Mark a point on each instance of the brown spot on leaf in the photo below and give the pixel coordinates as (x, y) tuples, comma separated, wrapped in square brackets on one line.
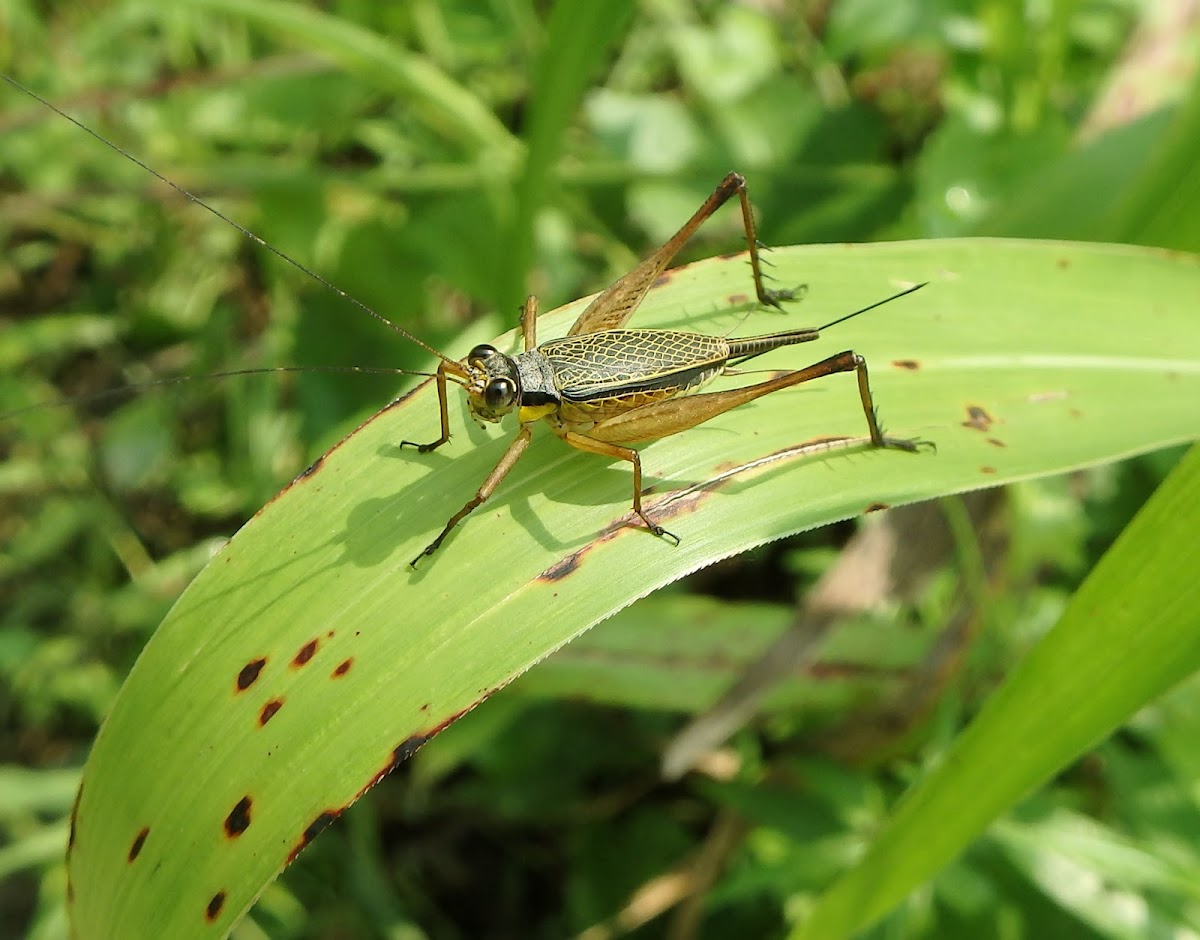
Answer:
[(238, 820), (977, 418), (996, 442), (911, 364), (664, 278), (736, 300), (561, 569), (406, 749), (400, 753), (73, 817), (1064, 263), (138, 841), (310, 470), (342, 668), (249, 674), (876, 507), (410, 745), (565, 566), (314, 829), (987, 469), (269, 710), (215, 903), (305, 653), (675, 507)]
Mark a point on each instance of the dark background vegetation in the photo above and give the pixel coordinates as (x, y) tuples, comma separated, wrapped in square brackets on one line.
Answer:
[(382, 145)]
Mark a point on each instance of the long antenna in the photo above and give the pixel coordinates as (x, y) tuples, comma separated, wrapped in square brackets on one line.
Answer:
[(179, 379), (878, 303), (224, 218)]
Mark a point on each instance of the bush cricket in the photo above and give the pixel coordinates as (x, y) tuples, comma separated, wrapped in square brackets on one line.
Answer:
[(603, 387)]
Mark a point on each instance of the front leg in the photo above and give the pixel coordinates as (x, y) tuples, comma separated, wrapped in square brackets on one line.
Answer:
[(499, 472), (444, 409)]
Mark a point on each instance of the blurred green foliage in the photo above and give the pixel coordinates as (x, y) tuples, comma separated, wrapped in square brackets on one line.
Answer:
[(436, 160)]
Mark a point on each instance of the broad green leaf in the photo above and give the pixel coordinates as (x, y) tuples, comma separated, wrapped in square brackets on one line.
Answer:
[(308, 658)]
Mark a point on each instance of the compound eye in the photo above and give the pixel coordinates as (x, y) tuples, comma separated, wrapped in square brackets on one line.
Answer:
[(499, 393), (481, 352)]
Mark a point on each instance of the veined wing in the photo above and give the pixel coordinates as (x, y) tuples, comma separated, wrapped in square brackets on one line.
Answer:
[(616, 362)]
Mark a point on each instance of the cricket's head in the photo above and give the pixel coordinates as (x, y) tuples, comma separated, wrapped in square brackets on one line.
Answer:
[(493, 386)]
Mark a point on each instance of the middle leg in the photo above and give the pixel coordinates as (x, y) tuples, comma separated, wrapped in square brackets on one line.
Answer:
[(605, 449)]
